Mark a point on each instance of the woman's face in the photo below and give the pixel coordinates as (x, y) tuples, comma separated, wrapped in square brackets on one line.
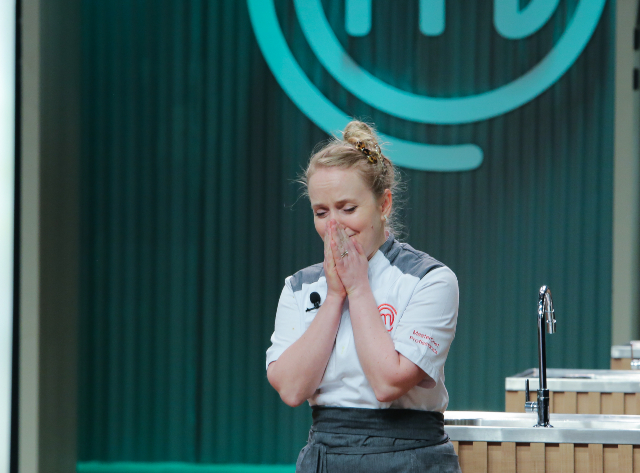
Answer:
[(341, 195)]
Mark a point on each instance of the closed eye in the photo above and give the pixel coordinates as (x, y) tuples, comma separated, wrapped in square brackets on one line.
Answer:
[(350, 209), (320, 213)]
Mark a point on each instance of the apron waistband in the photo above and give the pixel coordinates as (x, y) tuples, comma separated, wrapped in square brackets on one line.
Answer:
[(426, 426), (395, 423)]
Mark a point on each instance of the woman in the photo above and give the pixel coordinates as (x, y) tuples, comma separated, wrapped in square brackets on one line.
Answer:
[(364, 335)]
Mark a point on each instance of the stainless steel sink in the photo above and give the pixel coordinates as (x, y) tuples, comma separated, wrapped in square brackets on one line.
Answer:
[(611, 381), (519, 427)]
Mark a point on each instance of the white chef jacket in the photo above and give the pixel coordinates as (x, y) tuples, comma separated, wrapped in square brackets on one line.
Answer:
[(417, 298)]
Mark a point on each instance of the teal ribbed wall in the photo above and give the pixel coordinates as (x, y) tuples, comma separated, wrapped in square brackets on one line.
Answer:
[(191, 220)]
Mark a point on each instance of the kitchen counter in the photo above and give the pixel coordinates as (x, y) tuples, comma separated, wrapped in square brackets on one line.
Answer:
[(575, 391), (509, 442)]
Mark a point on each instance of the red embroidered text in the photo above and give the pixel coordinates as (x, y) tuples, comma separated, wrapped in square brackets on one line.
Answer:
[(425, 340)]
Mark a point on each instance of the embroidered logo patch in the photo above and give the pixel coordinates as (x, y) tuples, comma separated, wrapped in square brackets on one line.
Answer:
[(425, 340), (388, 314)]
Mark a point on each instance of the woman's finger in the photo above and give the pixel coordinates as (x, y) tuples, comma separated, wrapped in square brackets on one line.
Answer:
[(335, 237), (357, 245), (346, 241), (330, 259), (336, 252), (327, 241)]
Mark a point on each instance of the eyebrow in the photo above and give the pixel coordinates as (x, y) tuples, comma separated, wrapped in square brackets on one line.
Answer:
[(339, 203)]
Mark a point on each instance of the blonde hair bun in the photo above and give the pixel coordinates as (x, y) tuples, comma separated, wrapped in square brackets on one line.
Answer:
[(359, 131)]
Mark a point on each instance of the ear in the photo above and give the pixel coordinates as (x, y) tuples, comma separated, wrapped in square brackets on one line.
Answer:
[(386, 202)]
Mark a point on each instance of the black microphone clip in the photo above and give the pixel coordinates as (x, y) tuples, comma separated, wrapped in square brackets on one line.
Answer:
[(314, 297)]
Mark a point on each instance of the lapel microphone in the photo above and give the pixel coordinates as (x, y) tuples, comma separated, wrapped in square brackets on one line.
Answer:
[(314, 297)]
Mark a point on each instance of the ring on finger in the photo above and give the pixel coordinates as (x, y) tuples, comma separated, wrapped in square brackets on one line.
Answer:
[(346, 252)]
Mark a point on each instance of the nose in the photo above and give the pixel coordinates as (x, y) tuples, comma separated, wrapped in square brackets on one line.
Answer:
[(332, 219), (335, 217)]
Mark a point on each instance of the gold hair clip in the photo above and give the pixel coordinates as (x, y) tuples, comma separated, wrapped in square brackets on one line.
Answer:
[(372, 156)]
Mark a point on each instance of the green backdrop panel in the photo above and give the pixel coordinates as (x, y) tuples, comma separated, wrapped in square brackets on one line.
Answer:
[(191, 219)]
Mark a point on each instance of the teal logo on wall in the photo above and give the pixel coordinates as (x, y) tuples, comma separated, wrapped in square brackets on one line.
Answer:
[(510, 21)]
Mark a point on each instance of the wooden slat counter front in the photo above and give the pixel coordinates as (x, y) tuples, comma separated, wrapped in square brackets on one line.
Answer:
[(498, 457), (607, 445), (579, 391)]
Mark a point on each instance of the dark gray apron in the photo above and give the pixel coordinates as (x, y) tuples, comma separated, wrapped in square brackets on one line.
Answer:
[(354, 440)]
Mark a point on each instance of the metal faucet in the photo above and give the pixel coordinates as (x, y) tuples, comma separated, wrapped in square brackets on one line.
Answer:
[(545, 316)]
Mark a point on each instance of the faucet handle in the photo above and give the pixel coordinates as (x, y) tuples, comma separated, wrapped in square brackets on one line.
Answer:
[(529, 406)]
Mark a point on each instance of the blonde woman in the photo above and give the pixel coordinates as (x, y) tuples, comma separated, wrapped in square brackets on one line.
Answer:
[(364, 335)]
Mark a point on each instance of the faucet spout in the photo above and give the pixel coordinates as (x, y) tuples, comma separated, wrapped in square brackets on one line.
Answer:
[(545, 309), (546, 317)]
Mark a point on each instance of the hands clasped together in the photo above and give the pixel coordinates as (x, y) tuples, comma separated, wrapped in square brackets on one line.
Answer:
[(298, 372), (345, 262)]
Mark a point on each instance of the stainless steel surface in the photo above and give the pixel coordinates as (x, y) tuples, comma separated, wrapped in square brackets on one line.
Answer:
[(546, 316), (604, 381), (629, 350), (621, 351), (519, 427)]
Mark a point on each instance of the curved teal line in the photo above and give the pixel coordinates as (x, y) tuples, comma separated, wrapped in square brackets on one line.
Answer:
[(326, 115), (511, 22), (446, 111)]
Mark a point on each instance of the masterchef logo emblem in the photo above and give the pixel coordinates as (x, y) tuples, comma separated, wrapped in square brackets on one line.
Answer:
[(388, 314)]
